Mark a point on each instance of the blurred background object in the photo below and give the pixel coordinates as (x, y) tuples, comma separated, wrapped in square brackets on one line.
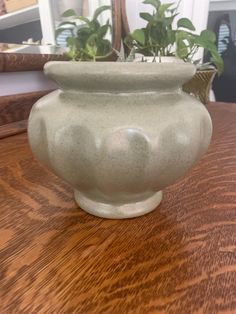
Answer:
[(14, 5), (222, 20), (2, 7)]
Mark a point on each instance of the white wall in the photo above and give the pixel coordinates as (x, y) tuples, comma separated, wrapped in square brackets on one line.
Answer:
[(222, 5), (196, 10)]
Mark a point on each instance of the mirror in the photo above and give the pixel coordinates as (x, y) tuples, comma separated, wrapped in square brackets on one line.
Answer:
[(222, 21), (29, 26), (84, 27), (85, 8)]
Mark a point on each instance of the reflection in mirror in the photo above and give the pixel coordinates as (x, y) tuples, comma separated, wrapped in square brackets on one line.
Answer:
[(31, 48), (222, 20), (84, 27), (30, 27), (82, 7), (19, 21)]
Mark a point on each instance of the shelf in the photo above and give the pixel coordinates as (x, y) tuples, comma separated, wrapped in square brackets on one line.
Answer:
[(222, 5), (19, 17)]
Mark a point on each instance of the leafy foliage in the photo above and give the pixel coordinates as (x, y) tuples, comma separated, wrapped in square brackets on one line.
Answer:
[(123, 58), (88, 41), (159, 38)]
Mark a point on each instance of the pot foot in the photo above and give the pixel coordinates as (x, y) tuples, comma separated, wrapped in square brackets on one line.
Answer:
[(123, 211)]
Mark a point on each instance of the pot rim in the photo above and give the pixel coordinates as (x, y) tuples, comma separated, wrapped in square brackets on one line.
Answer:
[(118, 66), (119, 76)]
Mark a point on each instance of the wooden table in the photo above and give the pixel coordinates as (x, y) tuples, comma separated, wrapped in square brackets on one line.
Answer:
[(181, 258)]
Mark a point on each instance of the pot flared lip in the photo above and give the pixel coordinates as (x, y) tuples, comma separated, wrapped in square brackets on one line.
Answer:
[(119, 67), (119, 76)]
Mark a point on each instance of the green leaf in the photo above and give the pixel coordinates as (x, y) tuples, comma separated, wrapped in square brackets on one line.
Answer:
[(185, 23), (72, 55), (182, 50), (155, 3), (183, 35), (139, 36), (94, 25), (164, 7), (208, 36), (146, 16), (84, 19), (100, 10), (71, 41), (128, 41), (102, 31), (87, 40), (171, 36), (206, 41), (84, 31), (218, 61), (69, 13), (92, 39), (182, 44), (168, 21), (104, 47), (91, 50), (203, 42)]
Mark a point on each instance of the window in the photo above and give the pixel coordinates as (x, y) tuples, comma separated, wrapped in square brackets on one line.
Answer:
[(224, 31)]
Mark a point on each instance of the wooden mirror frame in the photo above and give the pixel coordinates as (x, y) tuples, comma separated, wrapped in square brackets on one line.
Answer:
[(116, 30), (124, 19), (125, 29), (13, 62)]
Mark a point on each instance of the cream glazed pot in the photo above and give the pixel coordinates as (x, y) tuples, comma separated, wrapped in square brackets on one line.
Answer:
[(119, 133)]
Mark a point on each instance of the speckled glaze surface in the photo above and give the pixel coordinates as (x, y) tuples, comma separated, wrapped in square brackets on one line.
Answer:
[(119, 133)]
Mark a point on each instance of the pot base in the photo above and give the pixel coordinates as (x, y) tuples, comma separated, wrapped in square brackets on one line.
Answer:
[(110, 211)]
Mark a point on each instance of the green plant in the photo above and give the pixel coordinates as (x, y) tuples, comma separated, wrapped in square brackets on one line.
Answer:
[(123, 58), (87, 42), (159, 38)]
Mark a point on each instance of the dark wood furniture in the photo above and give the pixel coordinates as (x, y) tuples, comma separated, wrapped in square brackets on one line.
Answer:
[(15, 110), (15, 62), (181, 258)]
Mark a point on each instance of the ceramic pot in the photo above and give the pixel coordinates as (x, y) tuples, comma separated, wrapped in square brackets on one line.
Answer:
[(119, 133)]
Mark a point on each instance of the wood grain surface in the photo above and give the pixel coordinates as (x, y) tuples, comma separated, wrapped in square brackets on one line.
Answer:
[(17, 107), (181, 258), (14, 62), (13, 128)]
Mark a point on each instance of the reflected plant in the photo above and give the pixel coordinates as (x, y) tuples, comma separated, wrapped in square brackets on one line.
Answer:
[(159, 37), (88, 41)]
